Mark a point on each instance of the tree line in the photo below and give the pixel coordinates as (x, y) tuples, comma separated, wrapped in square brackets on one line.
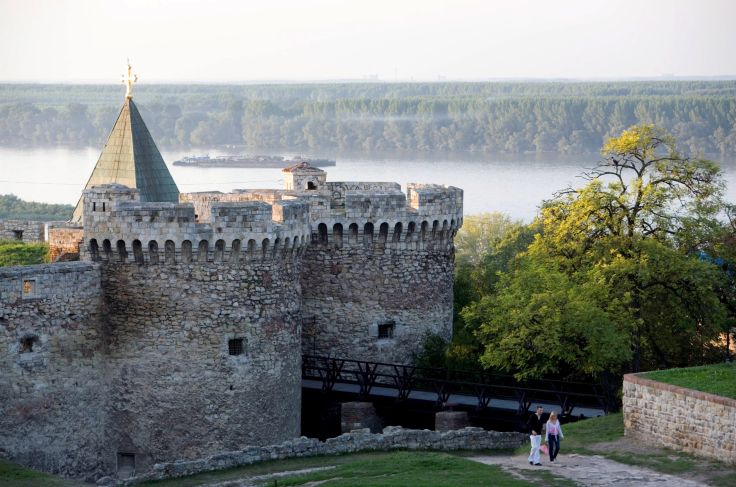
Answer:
[(633, 271), (14, 208), (568, 118)]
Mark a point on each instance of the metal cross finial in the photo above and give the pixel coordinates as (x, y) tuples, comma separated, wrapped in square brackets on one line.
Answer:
[(128, 81)]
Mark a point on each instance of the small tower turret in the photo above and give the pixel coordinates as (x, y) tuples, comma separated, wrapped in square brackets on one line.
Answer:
[(303, 177)]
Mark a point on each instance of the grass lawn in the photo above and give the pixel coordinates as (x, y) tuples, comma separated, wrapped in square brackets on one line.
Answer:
[(14, 475), (719, 379), (430, 469), (399, 468)]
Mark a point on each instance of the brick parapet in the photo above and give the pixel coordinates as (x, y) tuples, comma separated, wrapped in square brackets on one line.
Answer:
[(682, 419)]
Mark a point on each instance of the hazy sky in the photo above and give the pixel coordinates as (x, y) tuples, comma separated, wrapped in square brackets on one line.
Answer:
[(243, 40)]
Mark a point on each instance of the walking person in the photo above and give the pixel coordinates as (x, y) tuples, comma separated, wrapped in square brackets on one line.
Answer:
[(552, 435), (535, 425)]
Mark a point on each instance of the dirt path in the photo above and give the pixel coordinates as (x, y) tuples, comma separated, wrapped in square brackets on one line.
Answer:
[(590, 471)]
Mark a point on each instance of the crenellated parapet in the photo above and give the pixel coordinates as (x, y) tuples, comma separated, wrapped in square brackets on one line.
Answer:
[(426, 217), (225, 228)]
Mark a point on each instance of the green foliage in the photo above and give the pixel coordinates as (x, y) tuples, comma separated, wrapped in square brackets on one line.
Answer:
[(542, 322), (479, 234), (13, 208), (610, 277), (481, 117), (719, 379), (436, 352), (13, 252)]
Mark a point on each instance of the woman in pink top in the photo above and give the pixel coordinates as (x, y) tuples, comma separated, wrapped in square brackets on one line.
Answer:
[(552, 435)]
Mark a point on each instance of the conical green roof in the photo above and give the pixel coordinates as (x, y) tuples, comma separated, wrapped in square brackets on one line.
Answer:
[(130, 157)]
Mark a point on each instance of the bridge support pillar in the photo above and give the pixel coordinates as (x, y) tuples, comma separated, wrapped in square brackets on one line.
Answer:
[(450, 420), (359, 415)]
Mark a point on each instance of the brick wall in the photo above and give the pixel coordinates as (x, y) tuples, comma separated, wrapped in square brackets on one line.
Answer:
[(681, 419)]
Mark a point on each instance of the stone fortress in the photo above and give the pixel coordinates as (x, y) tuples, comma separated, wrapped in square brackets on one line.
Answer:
[(180, 331)]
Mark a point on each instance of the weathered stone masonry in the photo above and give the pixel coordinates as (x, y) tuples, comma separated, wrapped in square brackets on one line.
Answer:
[(21, 230), (182, 334), (681, 419), (53, 398)]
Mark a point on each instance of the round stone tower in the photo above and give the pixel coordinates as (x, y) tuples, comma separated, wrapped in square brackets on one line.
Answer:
[(204, 323)]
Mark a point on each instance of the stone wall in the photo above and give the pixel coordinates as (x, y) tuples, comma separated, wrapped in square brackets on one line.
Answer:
[(392, 438), (203, 357), (116, 222), (52, 364), (682, 419), (375, 299), (64, 239), (21, 230)]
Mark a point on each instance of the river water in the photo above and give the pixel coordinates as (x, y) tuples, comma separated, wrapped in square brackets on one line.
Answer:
[(512, 184)]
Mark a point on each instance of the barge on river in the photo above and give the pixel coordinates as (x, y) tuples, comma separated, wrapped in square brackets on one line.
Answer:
[(249, 161)]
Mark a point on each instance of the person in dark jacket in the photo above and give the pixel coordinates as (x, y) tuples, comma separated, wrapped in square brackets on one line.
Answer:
[(534, 426)]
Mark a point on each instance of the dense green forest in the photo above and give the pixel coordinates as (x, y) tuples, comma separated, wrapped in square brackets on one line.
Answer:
[(571, 117), (14, 208)]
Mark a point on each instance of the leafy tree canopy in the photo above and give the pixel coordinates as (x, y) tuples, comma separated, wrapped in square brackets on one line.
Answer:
[(613, 278)]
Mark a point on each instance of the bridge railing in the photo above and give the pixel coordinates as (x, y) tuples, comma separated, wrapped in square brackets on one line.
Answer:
[(485, 387)]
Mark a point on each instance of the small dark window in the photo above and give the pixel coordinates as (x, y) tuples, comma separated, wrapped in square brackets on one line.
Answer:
[(94, 206), (311, 186), (235, 346), (18, 234), (103, 206), (26, 344), (386, 330)]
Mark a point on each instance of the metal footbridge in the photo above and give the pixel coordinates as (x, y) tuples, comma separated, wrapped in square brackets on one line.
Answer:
[(481, 390)]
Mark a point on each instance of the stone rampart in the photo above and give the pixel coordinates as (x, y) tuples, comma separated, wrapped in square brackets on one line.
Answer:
[(22, 230), (392, 438), (682, 419), (378, 275), (52, 389), (202, 358)]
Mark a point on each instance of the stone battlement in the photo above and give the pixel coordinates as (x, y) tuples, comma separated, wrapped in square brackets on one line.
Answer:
[(116, 221), (270, 223)]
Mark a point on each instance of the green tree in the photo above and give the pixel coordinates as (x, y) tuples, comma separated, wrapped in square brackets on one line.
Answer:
[(613, 272)]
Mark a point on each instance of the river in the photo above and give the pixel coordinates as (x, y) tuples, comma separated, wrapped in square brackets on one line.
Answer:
[(512, 184)]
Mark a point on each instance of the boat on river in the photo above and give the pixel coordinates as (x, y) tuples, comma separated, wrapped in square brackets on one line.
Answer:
[(252, 161)]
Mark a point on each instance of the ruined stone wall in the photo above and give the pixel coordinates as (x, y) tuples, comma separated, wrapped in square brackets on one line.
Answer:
[(682, 419), (177, 389), (21, 230), (391, 439), (52, 363)]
